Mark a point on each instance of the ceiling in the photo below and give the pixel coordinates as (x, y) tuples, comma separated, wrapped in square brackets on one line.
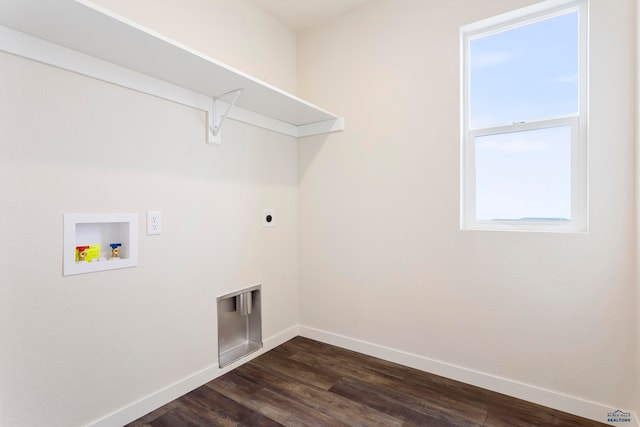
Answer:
[(302, 14)]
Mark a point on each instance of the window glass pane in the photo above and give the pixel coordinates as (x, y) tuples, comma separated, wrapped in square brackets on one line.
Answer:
[(526, 73), (524, 175)]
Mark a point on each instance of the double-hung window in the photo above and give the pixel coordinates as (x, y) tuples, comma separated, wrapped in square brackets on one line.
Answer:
[(524, 112)]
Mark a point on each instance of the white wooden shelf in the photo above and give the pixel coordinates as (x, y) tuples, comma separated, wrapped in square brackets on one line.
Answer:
[(84, 38)]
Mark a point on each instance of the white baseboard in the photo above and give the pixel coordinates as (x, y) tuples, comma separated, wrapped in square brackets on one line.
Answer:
[(161, 397), (548, 398)]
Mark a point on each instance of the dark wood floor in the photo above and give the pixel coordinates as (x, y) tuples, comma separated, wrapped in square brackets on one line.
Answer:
[(308, 383)]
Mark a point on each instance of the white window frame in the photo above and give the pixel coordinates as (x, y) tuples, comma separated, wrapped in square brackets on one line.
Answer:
[(577, 122)]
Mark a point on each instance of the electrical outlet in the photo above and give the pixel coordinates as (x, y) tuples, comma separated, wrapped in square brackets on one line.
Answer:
[(154, 222), (268, 218)]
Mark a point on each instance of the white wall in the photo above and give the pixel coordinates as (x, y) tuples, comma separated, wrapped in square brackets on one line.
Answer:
[(74, 349), (382, 259), (637, 333)]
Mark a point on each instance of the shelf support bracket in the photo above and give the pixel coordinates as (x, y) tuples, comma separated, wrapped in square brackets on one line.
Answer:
[(216, 117)]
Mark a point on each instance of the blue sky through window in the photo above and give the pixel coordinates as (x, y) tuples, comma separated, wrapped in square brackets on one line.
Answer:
[(524, 74), (533, 179)]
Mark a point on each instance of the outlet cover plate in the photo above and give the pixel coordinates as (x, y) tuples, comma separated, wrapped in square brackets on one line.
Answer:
[(154, 222)]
